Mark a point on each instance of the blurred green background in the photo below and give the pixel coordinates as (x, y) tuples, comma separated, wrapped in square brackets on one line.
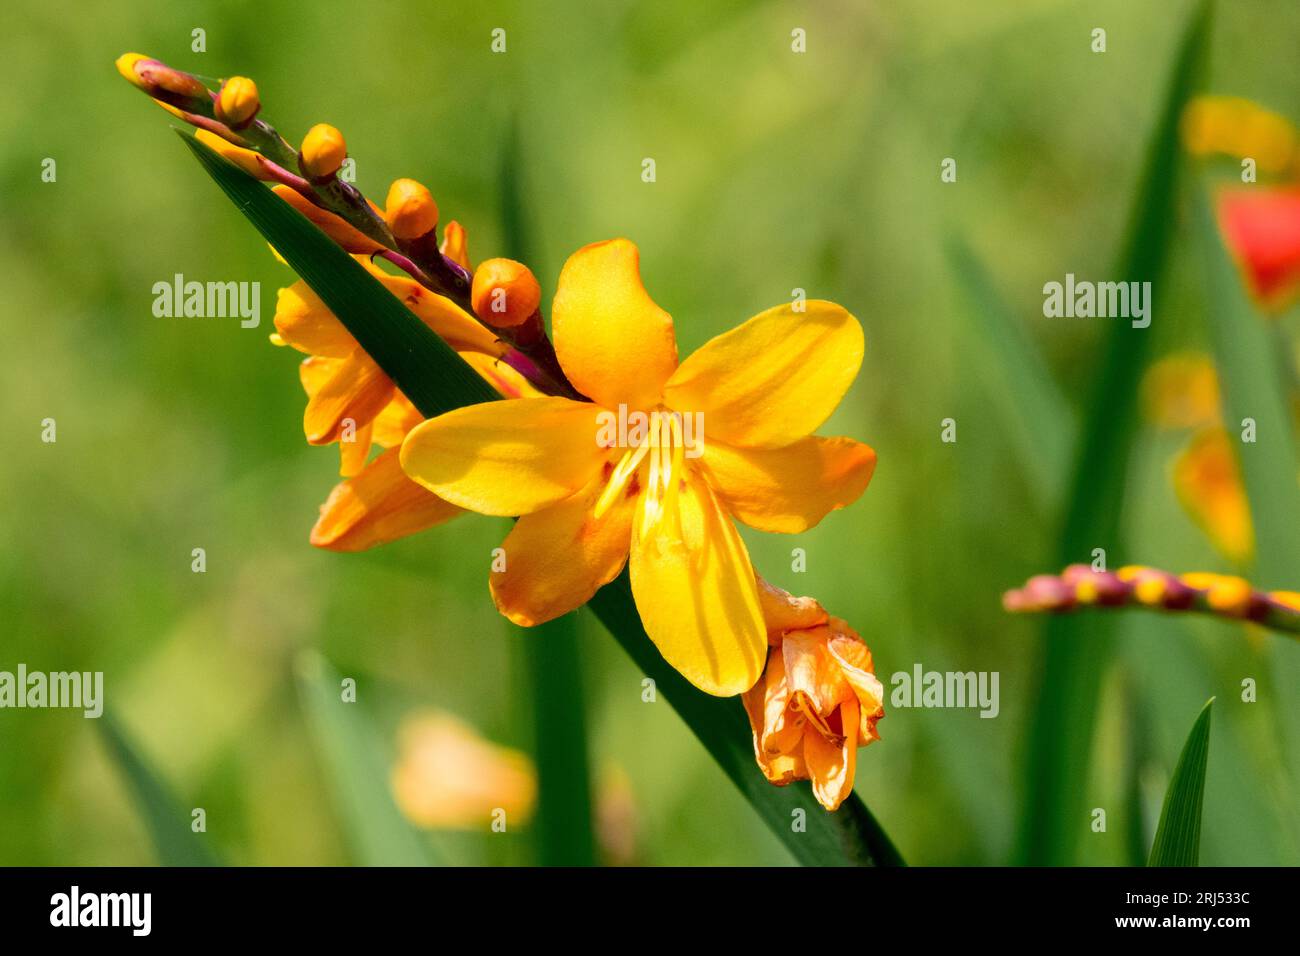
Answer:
[(774, 171)]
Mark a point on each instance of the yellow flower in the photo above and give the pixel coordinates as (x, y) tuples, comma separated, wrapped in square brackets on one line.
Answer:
[(1182, 391), (448, 777), (588, 498), (357, 389), (1208, 482), (818, 700), (1232, 126)]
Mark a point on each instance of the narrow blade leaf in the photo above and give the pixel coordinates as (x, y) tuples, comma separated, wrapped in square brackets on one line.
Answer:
[(169, 825), (1178, 836)]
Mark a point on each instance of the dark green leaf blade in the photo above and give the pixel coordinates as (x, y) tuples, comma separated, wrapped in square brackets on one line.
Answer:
[(429, 373), (353, 753), (1078, 647), (169, 826), (1178, 836)]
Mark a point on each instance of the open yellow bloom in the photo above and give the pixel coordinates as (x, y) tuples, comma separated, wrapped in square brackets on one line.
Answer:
[(819, 699), (587, 499)]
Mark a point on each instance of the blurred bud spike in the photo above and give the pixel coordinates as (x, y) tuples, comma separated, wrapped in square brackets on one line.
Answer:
[(410, 210), (323, 152), (1221, 595), (238, 103)]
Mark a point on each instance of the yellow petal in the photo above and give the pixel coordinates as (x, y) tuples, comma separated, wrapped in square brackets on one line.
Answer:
[(247, 160), (398, 417), (377, 506), (354, 452), (511, 457), (774, 379), (557, 558), (358, 389), (789, 489), (501, 376), (613, 342), (458, 328), (306, 323), (831, 763), (695, 591), (854, 659)]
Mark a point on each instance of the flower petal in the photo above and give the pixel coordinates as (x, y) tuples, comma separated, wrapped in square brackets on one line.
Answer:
[(306, 323), (789, 489), (347, 236), (557, 558), (774, 379), (377, 506), (695, 591), (1261, 226), (854, 658), (811, 670), (613, 342), (358, 390), (831, 763), (354, 451), (510, 457), (1208, 481), (458, 328), (782, 612)]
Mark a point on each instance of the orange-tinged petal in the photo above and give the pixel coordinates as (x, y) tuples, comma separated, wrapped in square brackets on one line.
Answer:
[(831, 763), (511, 457), (1208, 482), (811, 670), (247, 160), (398, 417), (773, 379), (347, 236), (789, 489), (314, 371), (305, 322), (354, 452), (377, 506), (1261, 227), (782, 611), (557, 558), (358, 390), (458, 328), (613, 342), (778, 736), (854, 659), (695, 591)]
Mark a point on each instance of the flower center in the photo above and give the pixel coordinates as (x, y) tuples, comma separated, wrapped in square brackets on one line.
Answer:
[(661, 452)]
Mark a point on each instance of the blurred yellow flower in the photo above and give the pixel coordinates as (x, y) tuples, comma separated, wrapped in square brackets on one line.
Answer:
[(1208, 483), (589, 497), (818, 700), (1233, 126), (1182, 391), (448, 777)]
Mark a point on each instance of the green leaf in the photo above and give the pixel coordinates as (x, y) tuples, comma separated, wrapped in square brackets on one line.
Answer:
[(1041, 423), (430, 374), (1178, 836), (1078, 646), (168, 824), (354, 754)]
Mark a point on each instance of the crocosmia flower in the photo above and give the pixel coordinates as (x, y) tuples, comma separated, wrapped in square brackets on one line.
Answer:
[(657, 464), (818, 700), (1261, 227)]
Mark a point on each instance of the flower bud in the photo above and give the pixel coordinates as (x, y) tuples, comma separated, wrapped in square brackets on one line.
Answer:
[(247, 160), (237, 103), (455, 245), (163, 83), (505, 293), (323, 152), (410, 209), (345, 234)]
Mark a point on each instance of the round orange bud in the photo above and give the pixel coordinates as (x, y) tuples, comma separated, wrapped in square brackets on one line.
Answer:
[(505, 293), (410, 210), (237, 103), (323, 151)]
